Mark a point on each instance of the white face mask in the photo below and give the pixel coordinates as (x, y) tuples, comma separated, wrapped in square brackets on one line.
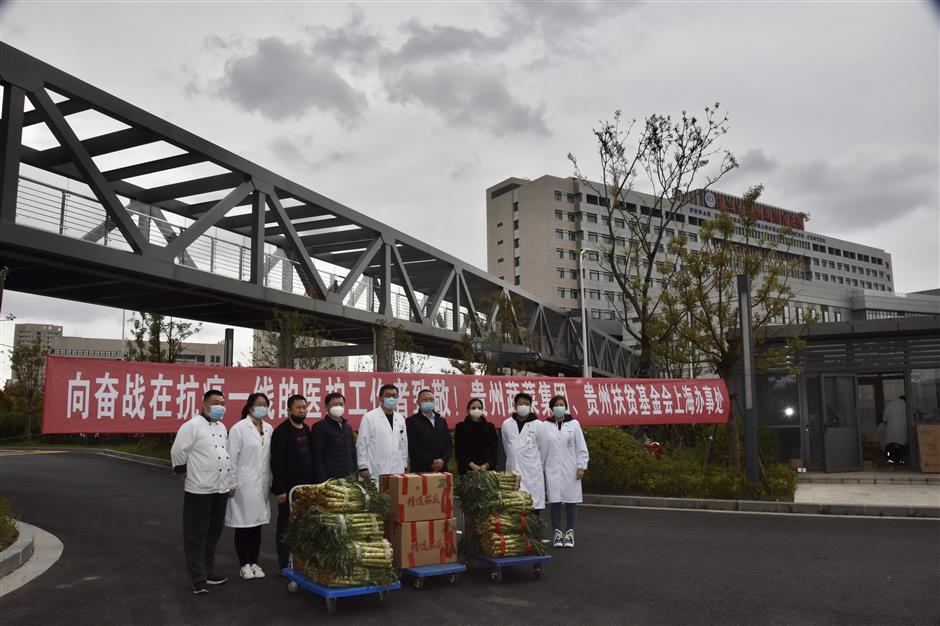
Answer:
[(476, 413), (337, 411), (523, 410)]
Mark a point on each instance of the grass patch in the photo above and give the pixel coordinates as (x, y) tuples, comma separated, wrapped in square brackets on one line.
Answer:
[(8, 531)]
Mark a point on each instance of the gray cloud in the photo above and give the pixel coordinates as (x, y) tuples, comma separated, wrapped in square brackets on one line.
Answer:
[(468, 96), (300, 154), (560, 25), (284, 81), (351, 43), (756, 162), (436, 42), (858, 192)]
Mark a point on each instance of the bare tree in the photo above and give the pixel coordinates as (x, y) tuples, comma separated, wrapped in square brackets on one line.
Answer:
[(671, 157), (158, 338)]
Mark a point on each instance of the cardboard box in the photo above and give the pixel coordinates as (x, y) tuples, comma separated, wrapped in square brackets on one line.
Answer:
[(418, 497), (928, 447), (428, 542)]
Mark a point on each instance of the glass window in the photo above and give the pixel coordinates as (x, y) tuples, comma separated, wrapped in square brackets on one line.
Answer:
[(573, 274), (778, 401), (558, 197), (570, 217), (591, 218), (925, 395), (559, 234), (561, 272), (620, 224), (561, 253), (559, 215), (572, 236), (572, 255), (561, 292)]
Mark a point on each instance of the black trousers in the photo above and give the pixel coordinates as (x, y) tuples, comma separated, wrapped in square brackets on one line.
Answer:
[(248, 545), (283, 518), (203, 521)]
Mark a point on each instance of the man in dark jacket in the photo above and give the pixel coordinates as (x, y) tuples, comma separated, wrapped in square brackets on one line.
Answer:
[(429, 446), (334, 450), (291, 465)]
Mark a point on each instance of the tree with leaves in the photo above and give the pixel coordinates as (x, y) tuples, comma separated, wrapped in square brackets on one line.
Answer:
[(158, 338), (507, 324), (702, 304), (294, 339), (671, 157), (28, 362), (397, 348)]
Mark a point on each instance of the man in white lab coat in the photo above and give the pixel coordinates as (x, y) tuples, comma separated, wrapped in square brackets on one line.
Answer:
[(895, 418), (199, 456), (525, 443), (382, 445)]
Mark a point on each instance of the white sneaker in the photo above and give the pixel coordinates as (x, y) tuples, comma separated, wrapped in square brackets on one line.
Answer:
[(257, 571), (558, 540), (569, 538), (246, 573)]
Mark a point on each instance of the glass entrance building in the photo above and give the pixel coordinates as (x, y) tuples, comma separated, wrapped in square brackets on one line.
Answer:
[(829, 416)]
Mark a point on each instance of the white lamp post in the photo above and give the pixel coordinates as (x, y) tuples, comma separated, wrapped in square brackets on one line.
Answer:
[(585, 368)]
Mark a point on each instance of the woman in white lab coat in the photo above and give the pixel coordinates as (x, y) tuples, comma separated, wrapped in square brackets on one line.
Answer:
[(525, 445), (249, 447), (565, 463)]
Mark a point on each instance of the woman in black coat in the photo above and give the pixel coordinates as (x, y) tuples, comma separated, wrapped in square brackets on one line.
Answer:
[(475, 440)]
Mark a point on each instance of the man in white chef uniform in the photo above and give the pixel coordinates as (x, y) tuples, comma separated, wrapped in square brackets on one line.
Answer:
[(382, 444), (200, 457), (526, 444)]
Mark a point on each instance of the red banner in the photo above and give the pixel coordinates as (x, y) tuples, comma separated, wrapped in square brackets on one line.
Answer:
[(100, 396)]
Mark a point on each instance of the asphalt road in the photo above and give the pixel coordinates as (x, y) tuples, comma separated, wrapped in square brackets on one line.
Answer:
[(123, 564)]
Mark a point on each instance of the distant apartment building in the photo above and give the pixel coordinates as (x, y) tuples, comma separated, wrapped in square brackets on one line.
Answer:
[(536, 228), (52, 339)]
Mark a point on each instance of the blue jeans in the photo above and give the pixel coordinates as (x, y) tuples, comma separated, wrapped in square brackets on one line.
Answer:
[(571, 514)]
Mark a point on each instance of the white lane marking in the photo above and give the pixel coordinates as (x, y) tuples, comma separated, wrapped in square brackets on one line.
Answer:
[(664, 508)]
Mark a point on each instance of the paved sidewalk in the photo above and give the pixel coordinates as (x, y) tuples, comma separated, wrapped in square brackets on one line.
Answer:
[(869, 494)]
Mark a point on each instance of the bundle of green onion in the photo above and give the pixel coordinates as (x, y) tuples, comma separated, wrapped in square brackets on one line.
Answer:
[(495, 515), (342, 495), (336, 533), (480, 491)]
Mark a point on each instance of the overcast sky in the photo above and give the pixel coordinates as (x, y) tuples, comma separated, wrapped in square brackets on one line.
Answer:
[(408, 111)]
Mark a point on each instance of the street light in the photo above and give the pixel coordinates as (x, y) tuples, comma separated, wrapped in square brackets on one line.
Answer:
[(585, 368)]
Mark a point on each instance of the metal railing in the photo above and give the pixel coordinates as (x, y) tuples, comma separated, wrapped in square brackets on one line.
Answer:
[(53, 209)]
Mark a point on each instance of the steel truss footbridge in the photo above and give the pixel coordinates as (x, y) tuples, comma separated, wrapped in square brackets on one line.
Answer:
[(147, 216)]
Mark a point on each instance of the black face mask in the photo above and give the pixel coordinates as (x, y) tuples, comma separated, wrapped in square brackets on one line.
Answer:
[(298, 420)]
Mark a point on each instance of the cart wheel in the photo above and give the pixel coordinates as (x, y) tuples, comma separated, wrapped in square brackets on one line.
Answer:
[(292, 587), (419, 583), (537, 570), (452, 578), (496, 575), (331, 605)]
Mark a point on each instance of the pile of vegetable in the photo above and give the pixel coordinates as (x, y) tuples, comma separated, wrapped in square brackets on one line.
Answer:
[(336, 534), (495, 513)]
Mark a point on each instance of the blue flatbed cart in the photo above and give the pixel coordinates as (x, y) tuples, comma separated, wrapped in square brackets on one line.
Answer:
[(426, 571), (497, 564), (331, 594)]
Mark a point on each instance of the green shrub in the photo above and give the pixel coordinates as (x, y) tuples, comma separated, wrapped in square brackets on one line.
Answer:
[(8, 531), (620, 464)]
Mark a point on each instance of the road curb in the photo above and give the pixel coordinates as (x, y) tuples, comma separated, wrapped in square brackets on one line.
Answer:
[(756, 506), (21, 550)]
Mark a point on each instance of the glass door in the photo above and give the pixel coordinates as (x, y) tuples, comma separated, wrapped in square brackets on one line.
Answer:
[(843, 449)]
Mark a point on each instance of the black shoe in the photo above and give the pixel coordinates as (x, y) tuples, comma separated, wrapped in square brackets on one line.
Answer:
[(216, 580), (200, 589)]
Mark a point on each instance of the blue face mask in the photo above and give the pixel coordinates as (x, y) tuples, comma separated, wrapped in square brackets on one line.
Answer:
[(427, 407), (260, 412), (559, 411), (217, 412), (389, 404)]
